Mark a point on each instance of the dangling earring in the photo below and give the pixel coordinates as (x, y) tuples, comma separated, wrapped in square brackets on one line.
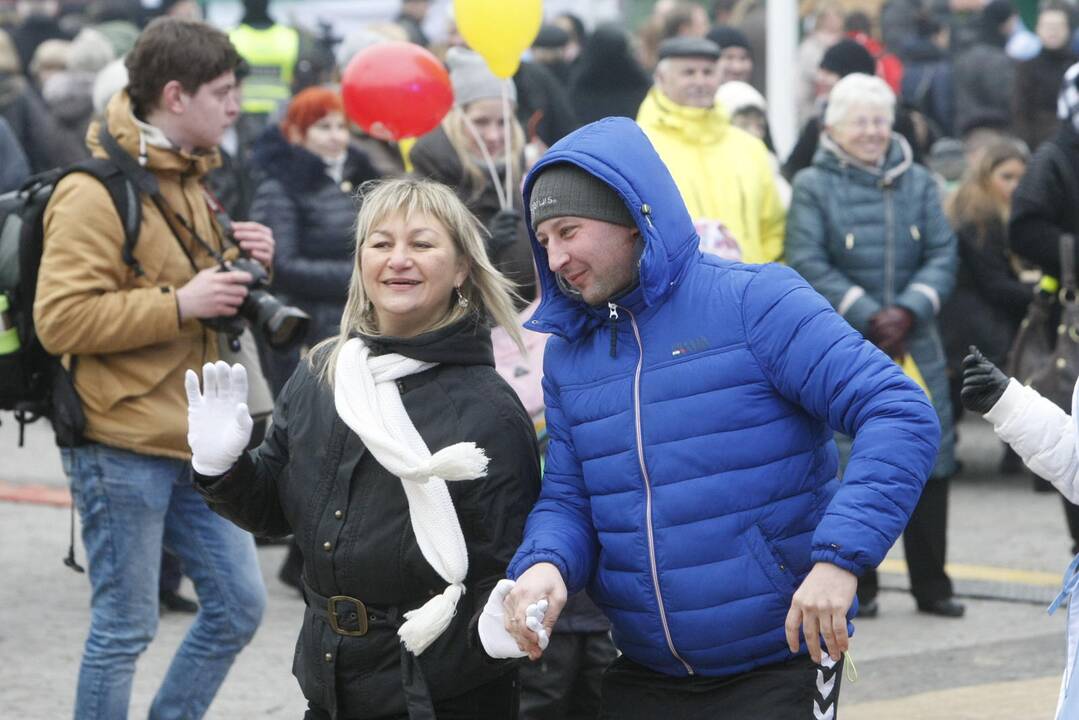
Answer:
[(462, 301)]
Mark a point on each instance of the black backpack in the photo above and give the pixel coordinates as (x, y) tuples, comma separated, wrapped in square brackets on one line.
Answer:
[(34, 383)]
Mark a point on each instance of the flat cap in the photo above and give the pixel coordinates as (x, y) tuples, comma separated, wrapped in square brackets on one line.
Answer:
[(688, 47), (550, 36)]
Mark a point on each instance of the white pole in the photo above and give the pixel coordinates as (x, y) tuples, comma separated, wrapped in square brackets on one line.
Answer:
[(782, 34)]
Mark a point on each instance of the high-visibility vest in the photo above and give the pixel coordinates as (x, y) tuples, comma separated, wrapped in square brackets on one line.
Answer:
[(271, 54)]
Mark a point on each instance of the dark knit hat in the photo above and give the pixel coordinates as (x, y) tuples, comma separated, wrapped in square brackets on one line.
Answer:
[(726, 36), (564, 189), (847, 57), (688, 47)]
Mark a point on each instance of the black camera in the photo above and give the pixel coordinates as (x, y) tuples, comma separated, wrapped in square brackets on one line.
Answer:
[(281, 324)]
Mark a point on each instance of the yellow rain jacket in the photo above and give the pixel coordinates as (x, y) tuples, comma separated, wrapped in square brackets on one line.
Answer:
[(723, 173)]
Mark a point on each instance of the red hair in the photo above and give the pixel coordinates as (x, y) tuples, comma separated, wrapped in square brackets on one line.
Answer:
[(308, 107)]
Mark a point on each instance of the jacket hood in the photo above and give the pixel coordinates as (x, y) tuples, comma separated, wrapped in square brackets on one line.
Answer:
[(133, 138), (897, 161), (616, 151), (465, 342), (699, 126), (295, 167)]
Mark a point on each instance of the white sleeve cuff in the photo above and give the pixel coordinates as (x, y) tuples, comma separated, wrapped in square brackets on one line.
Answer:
[(1015, 396)]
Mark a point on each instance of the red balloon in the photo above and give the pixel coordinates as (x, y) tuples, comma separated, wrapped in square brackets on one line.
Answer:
[(396, 90)]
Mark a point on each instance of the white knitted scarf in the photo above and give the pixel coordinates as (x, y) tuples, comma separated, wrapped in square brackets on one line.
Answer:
[(369, 402)]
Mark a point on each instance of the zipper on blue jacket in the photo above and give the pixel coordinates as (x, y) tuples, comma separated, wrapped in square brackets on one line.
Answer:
[(648, 489), (612, 323), (646, 211)]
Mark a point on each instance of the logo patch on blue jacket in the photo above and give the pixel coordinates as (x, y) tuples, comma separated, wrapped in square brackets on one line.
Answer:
[(697, 344)]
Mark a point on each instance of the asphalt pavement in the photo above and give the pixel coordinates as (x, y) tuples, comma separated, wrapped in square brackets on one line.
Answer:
[(1007, 548)]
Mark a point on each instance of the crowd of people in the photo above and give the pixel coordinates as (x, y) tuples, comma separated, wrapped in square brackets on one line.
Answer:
[(919, 213)]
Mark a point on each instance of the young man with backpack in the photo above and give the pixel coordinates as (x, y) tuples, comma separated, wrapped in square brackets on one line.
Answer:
[(132, 327)]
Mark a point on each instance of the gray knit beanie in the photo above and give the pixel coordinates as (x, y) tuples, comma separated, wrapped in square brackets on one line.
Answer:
[(472, 80), (565, 189)]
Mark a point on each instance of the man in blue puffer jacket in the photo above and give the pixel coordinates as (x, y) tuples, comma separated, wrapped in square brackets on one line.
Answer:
[(690, 482)]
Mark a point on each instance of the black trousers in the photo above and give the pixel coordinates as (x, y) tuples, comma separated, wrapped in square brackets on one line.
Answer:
[(565, 683), (924, 542), (496, 700), (797, 689)]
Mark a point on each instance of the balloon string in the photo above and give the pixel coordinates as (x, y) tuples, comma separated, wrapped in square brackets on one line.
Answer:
[(487, 159), (507, 140)]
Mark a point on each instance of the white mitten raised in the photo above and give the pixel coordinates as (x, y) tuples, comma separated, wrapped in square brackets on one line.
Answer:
[(218, 422)]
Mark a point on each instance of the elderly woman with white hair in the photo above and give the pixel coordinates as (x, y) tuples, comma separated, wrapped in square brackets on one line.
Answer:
[(866, 229)]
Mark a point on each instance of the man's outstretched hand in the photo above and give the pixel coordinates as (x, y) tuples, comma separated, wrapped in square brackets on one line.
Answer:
[(983, 382), (819, 609)]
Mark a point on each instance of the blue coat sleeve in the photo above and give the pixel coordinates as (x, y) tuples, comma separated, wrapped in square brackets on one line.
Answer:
[(559, 528), (817, 362)]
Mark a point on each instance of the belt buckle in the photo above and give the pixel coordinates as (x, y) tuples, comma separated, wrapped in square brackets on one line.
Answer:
[(361, 615)]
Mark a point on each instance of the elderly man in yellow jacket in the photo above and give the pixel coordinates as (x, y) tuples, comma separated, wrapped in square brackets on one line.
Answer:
[(723, 172)]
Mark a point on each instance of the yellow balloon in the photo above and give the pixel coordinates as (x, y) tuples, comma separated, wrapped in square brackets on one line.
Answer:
[(499, 30)]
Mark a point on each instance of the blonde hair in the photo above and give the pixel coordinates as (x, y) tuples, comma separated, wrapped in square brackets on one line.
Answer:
[(476, 175), (490, 295), (974, 203)]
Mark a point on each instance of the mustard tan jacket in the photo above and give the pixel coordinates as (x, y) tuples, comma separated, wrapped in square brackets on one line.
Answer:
[(125, 329), (722, 172)]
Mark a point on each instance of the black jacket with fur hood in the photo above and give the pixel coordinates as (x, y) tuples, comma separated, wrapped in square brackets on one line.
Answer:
[(313, 220)]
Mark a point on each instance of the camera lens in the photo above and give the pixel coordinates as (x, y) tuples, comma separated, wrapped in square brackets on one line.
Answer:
[(280, 324)]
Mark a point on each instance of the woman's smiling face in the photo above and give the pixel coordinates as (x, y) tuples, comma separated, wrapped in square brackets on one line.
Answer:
[(410, 267)]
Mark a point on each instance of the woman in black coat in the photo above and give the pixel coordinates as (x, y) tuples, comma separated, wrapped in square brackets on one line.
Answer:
[(309, 177), (340, 470), (989, 300)]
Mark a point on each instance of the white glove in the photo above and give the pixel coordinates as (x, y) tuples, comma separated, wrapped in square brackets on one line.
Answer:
[(534, 615), (218, 423), (496, 641)]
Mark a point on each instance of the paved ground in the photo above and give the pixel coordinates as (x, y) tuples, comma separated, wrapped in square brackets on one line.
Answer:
[(1008, 547)]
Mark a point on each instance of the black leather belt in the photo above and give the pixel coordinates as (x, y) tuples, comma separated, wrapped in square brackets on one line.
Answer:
[(346, 615)]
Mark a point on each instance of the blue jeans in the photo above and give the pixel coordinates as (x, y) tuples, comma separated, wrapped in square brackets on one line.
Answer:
[(131, 504)]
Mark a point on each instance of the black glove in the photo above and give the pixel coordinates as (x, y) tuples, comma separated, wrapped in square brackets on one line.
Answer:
[(503, 228), (983, 382)]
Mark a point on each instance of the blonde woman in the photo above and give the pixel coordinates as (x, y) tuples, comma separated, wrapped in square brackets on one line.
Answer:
[(469, 152), (404, 465)]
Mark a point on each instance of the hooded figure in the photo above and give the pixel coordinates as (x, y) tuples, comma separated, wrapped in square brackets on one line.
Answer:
[(607, 80), (692, 528)]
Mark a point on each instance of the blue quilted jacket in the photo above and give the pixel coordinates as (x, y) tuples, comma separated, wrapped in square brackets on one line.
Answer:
[(690, 478)]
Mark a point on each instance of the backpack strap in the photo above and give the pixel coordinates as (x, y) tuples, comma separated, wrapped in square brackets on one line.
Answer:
[(125, 198)]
